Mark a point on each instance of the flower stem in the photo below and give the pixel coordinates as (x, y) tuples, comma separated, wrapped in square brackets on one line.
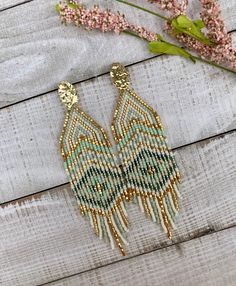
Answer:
[(134, 35), (214, 64), (143, 9), (192, 56)]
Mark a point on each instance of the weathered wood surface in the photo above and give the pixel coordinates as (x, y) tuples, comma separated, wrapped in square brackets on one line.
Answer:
[(206, 261), (45, 238), (192, 102), (37, 52)]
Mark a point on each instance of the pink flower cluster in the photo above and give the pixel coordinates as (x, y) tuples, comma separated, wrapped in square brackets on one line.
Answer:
[(222, 51), (173, 6), (220, 54), (211, 16), (103, 20)]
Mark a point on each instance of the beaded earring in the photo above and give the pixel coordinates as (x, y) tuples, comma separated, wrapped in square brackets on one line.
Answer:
[(147, 174), (95, 178), (149, 167)]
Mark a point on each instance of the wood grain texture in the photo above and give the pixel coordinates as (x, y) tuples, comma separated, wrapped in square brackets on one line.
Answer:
[(37, 51), (45, 238), (191, 100), (206, 261)]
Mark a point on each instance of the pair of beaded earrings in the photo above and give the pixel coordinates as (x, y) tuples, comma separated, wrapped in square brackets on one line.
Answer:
[(144, 171)]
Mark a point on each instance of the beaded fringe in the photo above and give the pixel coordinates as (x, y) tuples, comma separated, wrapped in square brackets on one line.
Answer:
[(111, 226)]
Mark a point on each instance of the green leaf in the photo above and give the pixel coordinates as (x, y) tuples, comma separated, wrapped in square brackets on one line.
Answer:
[(160, 38), (199, 24), (72, 5), (58, 9), (183, 24), (168, 49)]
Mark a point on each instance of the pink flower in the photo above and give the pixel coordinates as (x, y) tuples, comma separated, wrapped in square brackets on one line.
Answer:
[(222, 52), (173, 6), (211, 16), (103, 20)]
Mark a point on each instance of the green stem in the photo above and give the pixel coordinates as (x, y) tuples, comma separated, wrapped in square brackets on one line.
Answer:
[(194, 57), (134, 35), (143, 9), (214, 64)]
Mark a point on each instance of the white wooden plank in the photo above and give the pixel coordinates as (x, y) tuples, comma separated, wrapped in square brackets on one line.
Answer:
[(44, 238), (193, 101), (206, 261), (37, 51)]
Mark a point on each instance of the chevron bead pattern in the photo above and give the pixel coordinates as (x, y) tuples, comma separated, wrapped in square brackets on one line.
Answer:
[(95, 179), (149, 166)]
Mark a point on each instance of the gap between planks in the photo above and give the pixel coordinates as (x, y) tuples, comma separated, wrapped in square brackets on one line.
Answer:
[(203, 234), (38, 194), (89, 78), (193, 106), (79, 82), (15, 5), (41, 58), (206, 209)]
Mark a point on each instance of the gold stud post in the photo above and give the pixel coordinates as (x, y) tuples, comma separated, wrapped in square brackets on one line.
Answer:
[(120, 76), (67, 94)]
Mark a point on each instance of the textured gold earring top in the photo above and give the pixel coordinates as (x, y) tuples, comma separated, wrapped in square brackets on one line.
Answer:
[(120, 76), (67, 94)]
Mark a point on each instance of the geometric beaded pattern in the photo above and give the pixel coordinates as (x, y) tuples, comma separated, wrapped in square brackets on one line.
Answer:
[(149, 166), (147, 174), (96, 180)]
